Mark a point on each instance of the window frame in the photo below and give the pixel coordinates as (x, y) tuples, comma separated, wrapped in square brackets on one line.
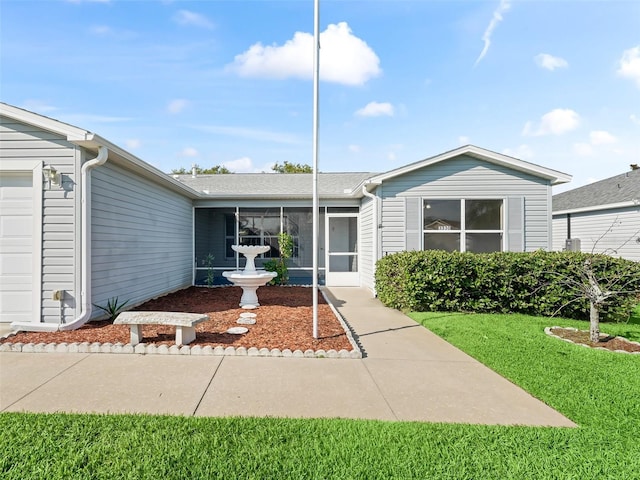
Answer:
[(462, 232)]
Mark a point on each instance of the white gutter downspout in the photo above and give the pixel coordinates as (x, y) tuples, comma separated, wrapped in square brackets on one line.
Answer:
[(85, 288), (374, 240)]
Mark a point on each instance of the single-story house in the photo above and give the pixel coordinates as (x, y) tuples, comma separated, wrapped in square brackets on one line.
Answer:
[(602, 217), (84, 221)]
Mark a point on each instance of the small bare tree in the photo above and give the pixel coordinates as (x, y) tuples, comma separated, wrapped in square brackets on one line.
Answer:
[(598, 281)]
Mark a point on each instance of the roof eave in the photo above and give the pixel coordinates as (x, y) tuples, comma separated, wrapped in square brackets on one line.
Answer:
[(93, 141), (594, 208), (269, 196), (555, 177)]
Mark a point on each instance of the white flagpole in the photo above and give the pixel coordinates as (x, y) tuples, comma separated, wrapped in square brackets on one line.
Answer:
[(316, 82)]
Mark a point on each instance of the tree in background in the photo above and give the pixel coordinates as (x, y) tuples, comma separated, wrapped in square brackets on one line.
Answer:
[(201, 171), (288, 167)]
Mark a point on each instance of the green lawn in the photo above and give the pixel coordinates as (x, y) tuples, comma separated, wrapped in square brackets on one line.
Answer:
[(598, 390)]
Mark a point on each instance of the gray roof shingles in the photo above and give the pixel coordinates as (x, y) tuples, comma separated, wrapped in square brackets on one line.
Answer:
[(275, 184), (621, 188)]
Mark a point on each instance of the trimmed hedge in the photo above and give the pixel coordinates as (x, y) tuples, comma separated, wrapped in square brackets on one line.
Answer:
[(533, 283)]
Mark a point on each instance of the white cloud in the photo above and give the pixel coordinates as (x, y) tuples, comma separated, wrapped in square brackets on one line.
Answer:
[(464, 140), (393, 149), (88, 1), (82, 119), (376, 109), (100, 30), (344, 58), (583, 149), (634, 118), (250, 133), (555, 122), (245, 165), (495, 20), (38, 106), (600, 137), (189, 152), (187, 18), (177, 105), (354, 148), (629, 65), (108, 32), (133, 143), (544, 60), (522, 152)]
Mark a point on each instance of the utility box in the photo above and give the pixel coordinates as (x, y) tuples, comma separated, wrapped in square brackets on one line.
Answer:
[(572, 245)]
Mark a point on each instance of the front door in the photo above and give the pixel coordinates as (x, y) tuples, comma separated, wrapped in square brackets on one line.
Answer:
[(342, 269)]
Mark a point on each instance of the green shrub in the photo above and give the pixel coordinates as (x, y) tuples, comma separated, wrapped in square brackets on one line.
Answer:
[(536, 283)]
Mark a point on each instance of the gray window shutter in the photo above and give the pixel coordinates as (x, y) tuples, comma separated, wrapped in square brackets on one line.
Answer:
[(515, 224), (412, 223)]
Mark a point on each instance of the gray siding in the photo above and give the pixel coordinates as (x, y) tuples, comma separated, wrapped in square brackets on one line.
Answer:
[(141, 237), (366, 255), (560, 232), (59, 230), (466, 177), (615, 231), (393, 223)]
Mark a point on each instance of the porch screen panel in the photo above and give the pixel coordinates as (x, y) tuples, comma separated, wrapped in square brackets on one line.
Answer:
[(260, 226), (298, 222), (214, 235)]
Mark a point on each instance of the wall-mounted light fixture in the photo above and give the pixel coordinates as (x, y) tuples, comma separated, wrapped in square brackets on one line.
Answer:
[(51, 177)]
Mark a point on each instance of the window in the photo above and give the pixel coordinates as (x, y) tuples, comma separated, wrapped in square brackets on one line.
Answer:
[(466, 225)]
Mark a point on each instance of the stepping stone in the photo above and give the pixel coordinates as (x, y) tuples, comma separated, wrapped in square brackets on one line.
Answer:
[(237, 330), (249, 307), (246, 321), (247, 318)]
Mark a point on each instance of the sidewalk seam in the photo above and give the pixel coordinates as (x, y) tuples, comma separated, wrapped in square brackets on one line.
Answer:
[(381, 393), (46, 382), (193, 414)]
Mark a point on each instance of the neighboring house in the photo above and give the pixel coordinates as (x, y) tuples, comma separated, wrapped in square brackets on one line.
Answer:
[(84, 221), (603, 217)]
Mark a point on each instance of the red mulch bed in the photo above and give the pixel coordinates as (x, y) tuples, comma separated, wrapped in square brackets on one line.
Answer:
[(284, 321), (606, 341)]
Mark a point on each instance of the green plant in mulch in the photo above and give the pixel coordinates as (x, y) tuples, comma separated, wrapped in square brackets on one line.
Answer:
[(279, 265), (208, 262), (113, 307)]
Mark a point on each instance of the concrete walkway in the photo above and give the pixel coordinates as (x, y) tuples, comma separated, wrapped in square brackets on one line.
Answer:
[(407, 374)]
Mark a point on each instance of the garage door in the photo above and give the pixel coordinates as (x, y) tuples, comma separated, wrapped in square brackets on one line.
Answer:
[(16, 247)]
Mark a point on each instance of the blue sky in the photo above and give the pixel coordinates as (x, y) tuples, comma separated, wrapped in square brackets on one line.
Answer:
[(229, 83)]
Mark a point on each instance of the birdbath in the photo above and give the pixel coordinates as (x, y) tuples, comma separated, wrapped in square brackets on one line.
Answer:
[(250, 278)]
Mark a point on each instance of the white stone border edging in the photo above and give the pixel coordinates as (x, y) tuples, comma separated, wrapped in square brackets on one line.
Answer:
[(548, 331), (152, 349)]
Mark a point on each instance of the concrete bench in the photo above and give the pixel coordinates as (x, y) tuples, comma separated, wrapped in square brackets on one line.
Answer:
[(185, 324)]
